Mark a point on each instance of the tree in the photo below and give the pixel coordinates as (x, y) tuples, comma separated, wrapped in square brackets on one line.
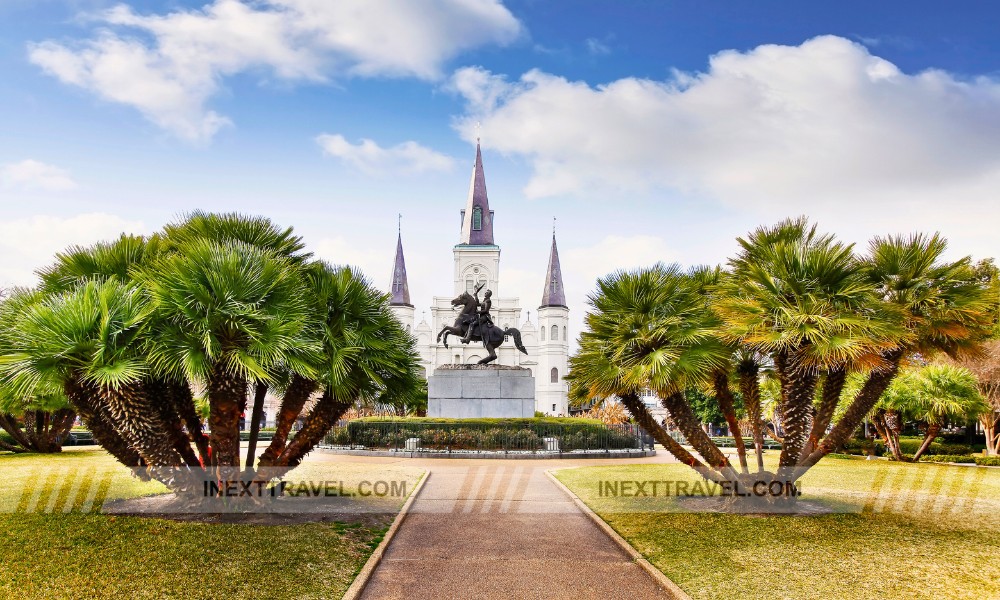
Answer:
[(933, 394), (794, 302), (35, 424), (224, 303)]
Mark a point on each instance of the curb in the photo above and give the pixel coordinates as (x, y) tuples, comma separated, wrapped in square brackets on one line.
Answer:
[(675, 591), (359, 583)]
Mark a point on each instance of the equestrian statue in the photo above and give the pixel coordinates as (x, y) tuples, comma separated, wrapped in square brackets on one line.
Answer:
[(474, 324)]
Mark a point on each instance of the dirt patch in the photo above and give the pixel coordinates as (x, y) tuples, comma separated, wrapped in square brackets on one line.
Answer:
[(281, 512)]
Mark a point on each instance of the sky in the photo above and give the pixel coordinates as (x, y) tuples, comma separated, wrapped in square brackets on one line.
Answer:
[(650, 131)]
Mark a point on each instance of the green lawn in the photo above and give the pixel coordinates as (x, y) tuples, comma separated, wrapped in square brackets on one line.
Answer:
[(906, 531), (80, 553)]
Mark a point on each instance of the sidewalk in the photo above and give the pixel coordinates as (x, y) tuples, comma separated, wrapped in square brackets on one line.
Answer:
[(502, 529)]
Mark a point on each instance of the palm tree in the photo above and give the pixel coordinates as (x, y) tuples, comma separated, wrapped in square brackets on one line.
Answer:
[(933, 394), (651, 328), (366, 356), (224, 314), (85, 343), (797, 297), (942, 307)]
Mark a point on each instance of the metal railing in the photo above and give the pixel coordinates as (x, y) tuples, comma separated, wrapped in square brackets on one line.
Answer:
[(512, 436)]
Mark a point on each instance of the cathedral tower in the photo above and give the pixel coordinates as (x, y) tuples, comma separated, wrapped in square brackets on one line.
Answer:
[(553, 341), (399, 301)]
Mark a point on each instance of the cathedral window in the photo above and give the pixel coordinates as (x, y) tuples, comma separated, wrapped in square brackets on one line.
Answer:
[(543, 333), (554, 375), (477, 218), (555, 333), (565, 335)]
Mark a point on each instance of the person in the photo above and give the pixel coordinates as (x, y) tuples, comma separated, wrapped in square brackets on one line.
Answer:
[(483, 318)]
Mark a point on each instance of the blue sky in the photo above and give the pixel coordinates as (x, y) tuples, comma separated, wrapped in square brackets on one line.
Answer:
[(651, 130)]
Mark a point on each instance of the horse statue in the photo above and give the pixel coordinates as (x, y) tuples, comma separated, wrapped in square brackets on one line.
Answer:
[(491, 336)]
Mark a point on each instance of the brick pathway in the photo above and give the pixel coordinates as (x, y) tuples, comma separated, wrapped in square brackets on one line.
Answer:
[(502, 529)]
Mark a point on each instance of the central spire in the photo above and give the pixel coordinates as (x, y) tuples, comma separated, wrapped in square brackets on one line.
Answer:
[(477, 219)]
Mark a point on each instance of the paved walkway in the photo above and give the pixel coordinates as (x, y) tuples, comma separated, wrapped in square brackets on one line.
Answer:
[(502, 529)]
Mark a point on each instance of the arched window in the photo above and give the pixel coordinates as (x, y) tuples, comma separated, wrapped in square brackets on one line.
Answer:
[(565, 334), (543, 333), (555, 333), (477, 218), (554, 375)]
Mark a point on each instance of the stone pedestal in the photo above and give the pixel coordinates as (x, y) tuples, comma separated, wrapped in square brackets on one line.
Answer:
[(474, 391)]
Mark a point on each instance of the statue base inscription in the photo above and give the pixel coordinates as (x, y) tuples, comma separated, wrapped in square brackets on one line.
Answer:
[(481, 391)]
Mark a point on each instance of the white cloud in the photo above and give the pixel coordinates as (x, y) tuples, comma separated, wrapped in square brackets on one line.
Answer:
[(30, 243), (369, 157), (821, 128), (597, 47), (34, 175), (169, 65)]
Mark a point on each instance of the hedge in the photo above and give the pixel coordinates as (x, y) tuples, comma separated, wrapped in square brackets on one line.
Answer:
[(483, 434)]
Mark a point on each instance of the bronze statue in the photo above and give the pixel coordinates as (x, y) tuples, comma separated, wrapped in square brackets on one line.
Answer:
[(475, 324), (483, 318)]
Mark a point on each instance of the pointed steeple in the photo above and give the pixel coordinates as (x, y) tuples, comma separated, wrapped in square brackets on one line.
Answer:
[(477, 220), (553, 294), (399, 288)]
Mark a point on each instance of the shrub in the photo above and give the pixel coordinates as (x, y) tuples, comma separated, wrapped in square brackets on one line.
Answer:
[(910, 446), (953, 458), (988, 461)]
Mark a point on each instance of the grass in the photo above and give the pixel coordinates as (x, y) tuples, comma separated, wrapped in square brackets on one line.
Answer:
[(902, 531), (48, 553)]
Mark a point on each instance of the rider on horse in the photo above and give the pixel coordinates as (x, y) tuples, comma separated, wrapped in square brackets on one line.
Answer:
[(483, 318)]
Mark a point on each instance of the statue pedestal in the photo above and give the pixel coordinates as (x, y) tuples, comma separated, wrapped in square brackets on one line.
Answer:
[(481, 391)]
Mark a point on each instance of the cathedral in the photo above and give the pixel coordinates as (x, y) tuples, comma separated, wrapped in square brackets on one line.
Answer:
[(477, 262)]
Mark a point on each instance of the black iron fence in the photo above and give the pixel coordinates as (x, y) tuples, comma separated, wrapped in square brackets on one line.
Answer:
[(500, 436)]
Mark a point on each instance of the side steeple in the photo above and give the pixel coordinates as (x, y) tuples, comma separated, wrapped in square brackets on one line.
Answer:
[(477, 218), (399, 287), (554, 295)]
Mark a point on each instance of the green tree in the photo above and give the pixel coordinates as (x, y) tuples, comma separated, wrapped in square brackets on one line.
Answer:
[(224, 303), (934, 395)]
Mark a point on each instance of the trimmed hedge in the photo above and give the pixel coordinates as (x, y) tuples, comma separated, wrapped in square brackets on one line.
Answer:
[(907, 446), (484, 434), (527, 422)]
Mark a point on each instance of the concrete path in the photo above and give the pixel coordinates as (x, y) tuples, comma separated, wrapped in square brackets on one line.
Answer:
[(502, 529)]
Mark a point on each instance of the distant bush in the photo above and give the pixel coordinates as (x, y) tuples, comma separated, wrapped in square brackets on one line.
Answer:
[(988, 461), (948, 458)]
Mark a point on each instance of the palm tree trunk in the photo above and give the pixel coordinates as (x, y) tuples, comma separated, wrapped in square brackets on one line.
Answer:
[(833, 385), (140, 423), (226, 399), (689, 424), (800, 385), (887, 424), (726, 403), (320, 420), (932, 432), (990, 422), (12, 425), (750, 389), (864, 401), (84, 397), (182, 400), (158, 394), (59, 427), (295, 397), (260, 392), (645, 420)]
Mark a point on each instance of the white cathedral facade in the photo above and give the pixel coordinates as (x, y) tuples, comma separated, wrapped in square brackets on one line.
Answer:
[(477, 261)]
